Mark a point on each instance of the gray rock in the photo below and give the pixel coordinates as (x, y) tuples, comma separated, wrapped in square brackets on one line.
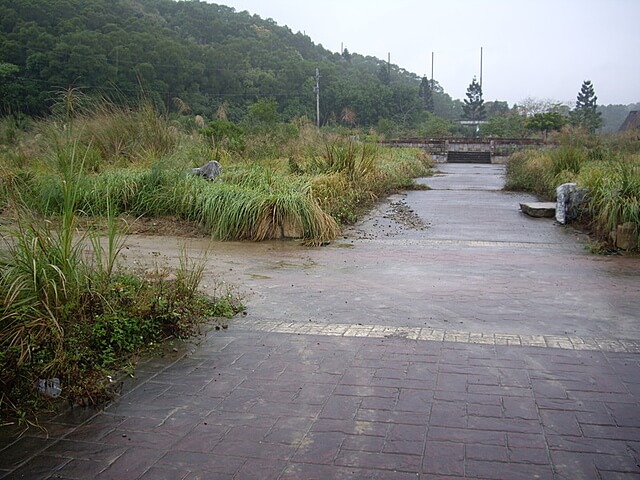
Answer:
[(210, 171), (626, 236), (571, 202)]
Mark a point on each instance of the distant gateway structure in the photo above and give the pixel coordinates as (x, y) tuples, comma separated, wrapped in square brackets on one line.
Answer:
[(468, 150)]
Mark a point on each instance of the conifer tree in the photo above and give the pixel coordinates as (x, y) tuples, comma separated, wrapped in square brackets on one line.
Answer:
[(586, 112), (426, 93), (474, 104)]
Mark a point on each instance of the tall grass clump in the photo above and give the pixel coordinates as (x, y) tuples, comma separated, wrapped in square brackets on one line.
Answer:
[(350, 177), (69, 310), (614, 194), (136, 162), (351, 159), (258, 205)]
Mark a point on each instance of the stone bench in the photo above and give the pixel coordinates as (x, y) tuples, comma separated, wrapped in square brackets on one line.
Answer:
[(539, 209)]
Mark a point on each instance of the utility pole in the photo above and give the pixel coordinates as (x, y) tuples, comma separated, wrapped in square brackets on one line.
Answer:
[(316, 89), (389, 66), (432, 56), (480, 67)]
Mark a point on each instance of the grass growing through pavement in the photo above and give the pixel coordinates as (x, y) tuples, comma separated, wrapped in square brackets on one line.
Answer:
[(608, 166)]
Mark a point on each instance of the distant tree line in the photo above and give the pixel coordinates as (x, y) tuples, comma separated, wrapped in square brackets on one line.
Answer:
[(196, 58), (205, 55)]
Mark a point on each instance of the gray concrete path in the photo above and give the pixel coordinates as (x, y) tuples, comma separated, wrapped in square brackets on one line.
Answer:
[(488, 345)]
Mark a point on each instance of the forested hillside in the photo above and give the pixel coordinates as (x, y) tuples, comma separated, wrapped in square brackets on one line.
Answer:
[(205, 55)]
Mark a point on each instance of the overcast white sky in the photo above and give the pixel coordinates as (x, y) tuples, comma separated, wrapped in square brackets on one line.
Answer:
[(531, 48)]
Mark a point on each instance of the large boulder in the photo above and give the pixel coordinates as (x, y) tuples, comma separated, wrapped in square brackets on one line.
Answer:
[(210, 171), (571, 202), (626, 237)]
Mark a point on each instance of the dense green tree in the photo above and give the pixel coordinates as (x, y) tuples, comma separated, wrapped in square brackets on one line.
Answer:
[(426, 94), (510, 125), (263, 114), (9, 89), (473, 107), (586, 113), (496, 108), (435, 126), (546, 122), (384, 74)]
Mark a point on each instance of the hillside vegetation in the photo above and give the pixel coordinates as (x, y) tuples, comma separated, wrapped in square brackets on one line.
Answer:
[(195, 56)]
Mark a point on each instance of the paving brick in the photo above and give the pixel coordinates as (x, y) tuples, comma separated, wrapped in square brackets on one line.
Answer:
[(155, 440), (518, 407), (21, 450), (363, 443), (466, 435), (414, 400), (297, 471), (625, 414), (507, 471), (195, 461), (392, 417), (405, 439), (257, 469), (505, 391), (443, 458), (341, 407), (452, 382), (526, 440), (319, 448), (611, 432), (536, 456), (480, 410), (378, 403), (448, 414), (608, 475), (560, 422), (39, 467), (201, 439), (583, 465), (490, 453), (253, 448), (163, 473), (132, 464), (95, 451), (504, 424), (399, 462)]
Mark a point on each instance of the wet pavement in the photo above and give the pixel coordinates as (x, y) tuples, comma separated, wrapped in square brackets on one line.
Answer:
[(487, 345)]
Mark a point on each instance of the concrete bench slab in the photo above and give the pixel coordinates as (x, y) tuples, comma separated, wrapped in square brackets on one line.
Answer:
[(539, 209)]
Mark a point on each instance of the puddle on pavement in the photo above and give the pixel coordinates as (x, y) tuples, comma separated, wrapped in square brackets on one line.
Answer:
[(342, 245), (284, 265)]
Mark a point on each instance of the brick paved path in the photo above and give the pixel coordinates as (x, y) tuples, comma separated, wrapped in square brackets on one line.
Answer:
[(306, 406), (298, 399)]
